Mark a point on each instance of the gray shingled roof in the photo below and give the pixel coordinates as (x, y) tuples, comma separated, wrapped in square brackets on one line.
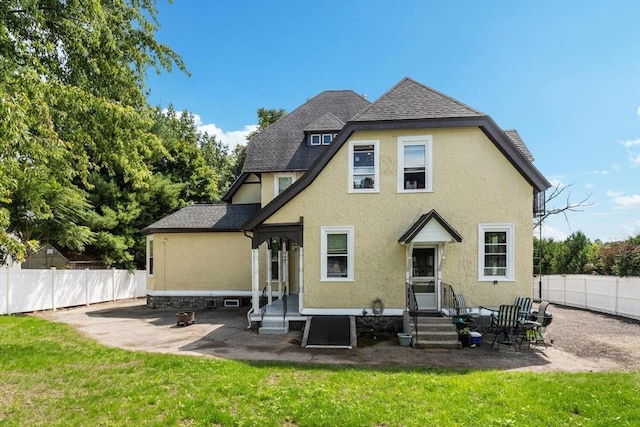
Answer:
[(326, 122), (410, 100), (218, 217), (514, 136), (282, 146)]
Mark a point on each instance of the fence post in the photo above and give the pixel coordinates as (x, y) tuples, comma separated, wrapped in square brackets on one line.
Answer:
[(53, 288), (8, 292), (86, 286), (617, 294), (584, 281), (113, 283), (564, 290)]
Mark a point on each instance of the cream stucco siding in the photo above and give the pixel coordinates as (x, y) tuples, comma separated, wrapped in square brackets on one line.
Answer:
[(473, 183), (201, 262), (268, 184), (249, 191)]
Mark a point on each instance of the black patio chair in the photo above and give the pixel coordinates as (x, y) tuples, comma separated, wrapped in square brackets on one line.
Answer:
[(504, 325)]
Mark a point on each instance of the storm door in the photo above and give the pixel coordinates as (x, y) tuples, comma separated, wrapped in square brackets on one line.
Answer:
[(423, 272)]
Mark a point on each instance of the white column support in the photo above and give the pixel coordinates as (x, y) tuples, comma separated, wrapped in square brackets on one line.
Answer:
[(285, 266), (300, 278), (280, 271), (255, 280), (269, 273)]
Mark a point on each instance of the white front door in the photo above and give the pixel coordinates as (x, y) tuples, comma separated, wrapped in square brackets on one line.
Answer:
[(423, 275)]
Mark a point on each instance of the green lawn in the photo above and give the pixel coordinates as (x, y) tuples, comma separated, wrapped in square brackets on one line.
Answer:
[(51, 375)]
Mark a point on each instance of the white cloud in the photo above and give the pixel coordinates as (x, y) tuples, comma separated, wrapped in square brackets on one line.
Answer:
[(633, 150), (555, 182), (602, 172), (589, 186), (229, 138), (549, 232), (638, 111), (622, 201)]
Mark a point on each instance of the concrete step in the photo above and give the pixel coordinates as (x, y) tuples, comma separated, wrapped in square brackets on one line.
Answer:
[(273, 325), (438, 344), (272, 330), (436, 335), (435, 332)]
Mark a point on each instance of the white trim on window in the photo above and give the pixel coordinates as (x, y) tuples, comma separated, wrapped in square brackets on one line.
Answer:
[(496, 246), (315, 139), (327, 138), (362, 174), (276, 182), (341, 270), (420, 147)]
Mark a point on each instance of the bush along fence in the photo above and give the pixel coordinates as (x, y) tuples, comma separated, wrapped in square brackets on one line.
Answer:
[(605, 294), (23, 291)]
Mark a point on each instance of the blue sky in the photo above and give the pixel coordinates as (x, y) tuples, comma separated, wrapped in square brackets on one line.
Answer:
[(565, 74)]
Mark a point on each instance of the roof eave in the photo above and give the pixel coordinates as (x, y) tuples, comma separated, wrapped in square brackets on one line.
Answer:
[(485, 123)]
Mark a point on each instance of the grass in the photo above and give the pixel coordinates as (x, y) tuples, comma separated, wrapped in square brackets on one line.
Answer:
[(51, 375)]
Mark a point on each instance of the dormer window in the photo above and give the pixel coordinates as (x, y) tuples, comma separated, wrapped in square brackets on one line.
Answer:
[(327, 138), (315, 139)]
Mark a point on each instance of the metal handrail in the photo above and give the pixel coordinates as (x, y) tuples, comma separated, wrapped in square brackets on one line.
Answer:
[(448, 299), (412, 305)]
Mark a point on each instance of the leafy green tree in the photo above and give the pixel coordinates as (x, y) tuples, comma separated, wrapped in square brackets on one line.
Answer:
[(621, 258), (217, 156), (572, 256), (182, 159), (74, 117), (550, 250)]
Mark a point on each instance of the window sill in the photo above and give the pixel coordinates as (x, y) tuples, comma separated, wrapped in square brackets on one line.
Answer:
[(364, 191), (336, 280)]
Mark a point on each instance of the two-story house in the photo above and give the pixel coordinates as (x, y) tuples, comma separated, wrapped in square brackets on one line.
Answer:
[(344, 204)]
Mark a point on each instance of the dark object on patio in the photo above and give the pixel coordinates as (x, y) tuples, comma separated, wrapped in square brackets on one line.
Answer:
[(465, 315), (504, 325), (546, 320), (533, 330), (185, 318)]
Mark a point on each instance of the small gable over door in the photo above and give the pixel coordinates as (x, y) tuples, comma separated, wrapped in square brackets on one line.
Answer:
[(430, 228)]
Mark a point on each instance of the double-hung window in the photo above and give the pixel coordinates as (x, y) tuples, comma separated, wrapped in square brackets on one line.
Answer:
[(414, 164), (336, 246), (495, 251), (281, 182), (364, 166)]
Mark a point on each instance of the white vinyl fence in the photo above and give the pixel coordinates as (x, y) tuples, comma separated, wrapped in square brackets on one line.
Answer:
[(606, 294), (23, 291)]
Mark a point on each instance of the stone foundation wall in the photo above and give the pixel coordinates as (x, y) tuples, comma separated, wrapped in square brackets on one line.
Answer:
[(379, 323), (191, 302)]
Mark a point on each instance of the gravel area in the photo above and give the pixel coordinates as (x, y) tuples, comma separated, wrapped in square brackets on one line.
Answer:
[(583, 341)]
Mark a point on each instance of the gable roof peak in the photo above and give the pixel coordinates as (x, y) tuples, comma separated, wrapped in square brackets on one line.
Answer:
[(326, 122), (411, 100)]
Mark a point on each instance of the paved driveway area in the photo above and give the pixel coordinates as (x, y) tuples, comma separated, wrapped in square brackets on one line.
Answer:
[(583, 340)]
